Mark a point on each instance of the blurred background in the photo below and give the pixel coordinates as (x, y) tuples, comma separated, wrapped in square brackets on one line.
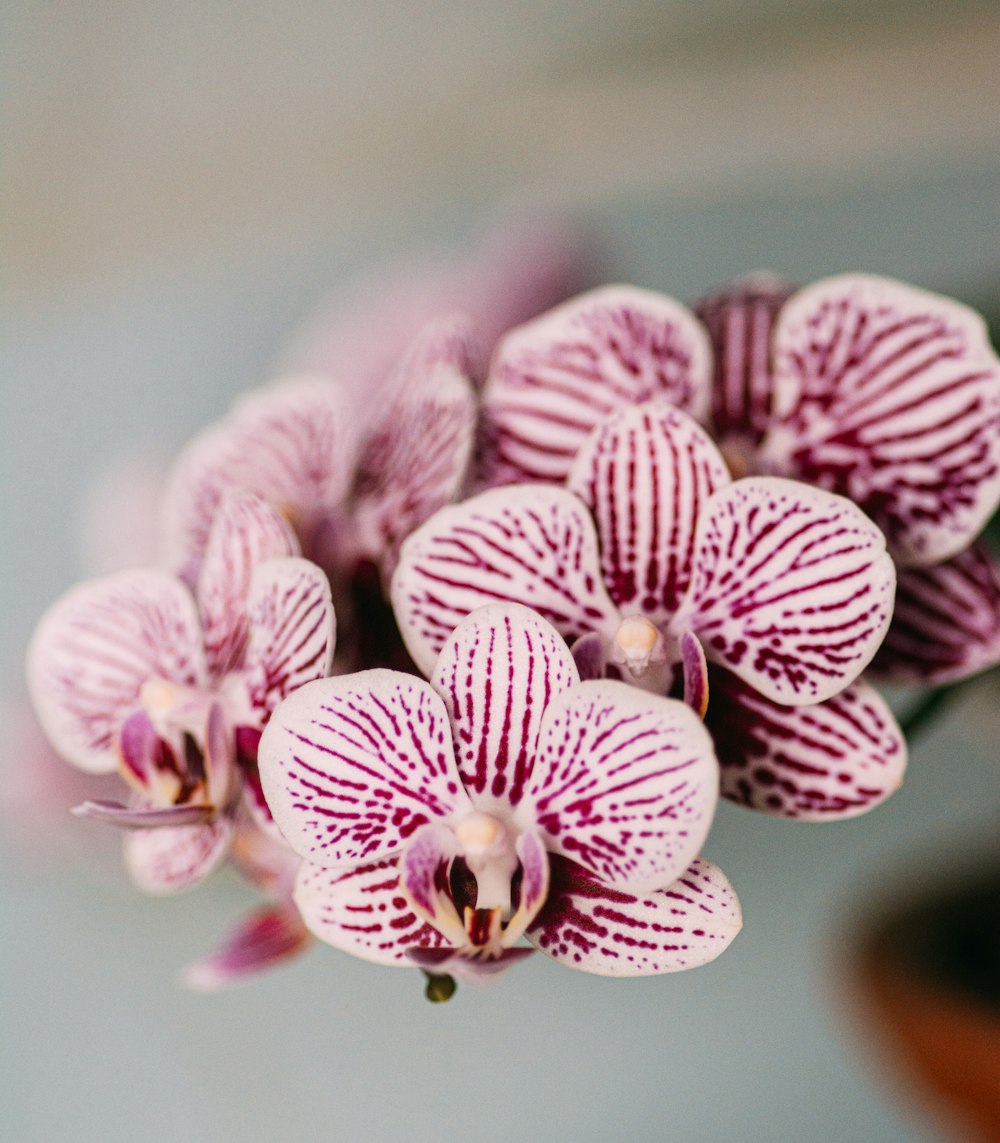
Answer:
[(182, 184)]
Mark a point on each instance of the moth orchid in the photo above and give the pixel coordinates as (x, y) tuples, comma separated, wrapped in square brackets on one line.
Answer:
[(503, 798), (654, 562), (134, 673)]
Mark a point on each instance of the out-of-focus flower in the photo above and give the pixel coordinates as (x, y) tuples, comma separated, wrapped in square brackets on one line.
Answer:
[(655, 562), (504, 798), (134, 673)]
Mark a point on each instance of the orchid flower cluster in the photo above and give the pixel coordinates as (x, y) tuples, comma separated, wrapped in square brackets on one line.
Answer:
[(460, 636)]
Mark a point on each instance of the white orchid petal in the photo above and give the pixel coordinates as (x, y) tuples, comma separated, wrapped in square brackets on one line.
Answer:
[(176, 858)]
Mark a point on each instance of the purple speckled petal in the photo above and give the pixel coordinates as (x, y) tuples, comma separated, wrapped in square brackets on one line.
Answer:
[(792, 588), (96, 646), (740, 321), (423, 876), (293, 443), (292, 631), (555, 378), (890, 396), (353, 766), (415, 456), (590, 926), (497, 673), (625, 784), (946, 624), (645, 473), (246, 530), (363, 912), (138, 817), (526, 544), (837, 759), (264, 939), (176, 858)]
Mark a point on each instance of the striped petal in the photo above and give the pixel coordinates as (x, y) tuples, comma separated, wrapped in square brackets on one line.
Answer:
[(176, 858), (292, 631), (245, 531), (497, 673), (292, 443), (529, 544), (555, 378), (138, 817), (415, 456), (353, 766), (890, 396), (792, 588), (96, 646), (645, 473), (423, 876), (363, 912), (263, 940), (837, 759), (589, 926), (625, 784), (946, 624)]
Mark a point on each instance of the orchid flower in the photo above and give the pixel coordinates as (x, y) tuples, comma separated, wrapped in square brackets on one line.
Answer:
[(504, 798), (134, 673), (652, 561), (864, 386)]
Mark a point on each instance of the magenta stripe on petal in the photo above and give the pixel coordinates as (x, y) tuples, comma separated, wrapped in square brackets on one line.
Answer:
[(553, 379), (353, 766), (792, 588), (591, 927), (646, 473), (891, 396), (837, 759), (522, 544)]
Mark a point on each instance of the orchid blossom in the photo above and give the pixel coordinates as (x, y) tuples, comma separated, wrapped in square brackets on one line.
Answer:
[(441, 821), (653, 562), (861, 385)]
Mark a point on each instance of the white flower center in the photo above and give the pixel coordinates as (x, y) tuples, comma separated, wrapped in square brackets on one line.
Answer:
[(638, 643), (488, 849)]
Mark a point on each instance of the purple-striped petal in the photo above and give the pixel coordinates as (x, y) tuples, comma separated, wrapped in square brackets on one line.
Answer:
[(946, 623), (890, 396), (423, 877), (589, 926), (176, 858), (527, 544), (416, 454), (625, 784), (740, 321), (837, 759), (353, 766), (646, 473), (246, 530), (292, 443), (792, 588), (263, 940), (96, 646), (555, 378), (292, 631), (363, 912), (497, 673)]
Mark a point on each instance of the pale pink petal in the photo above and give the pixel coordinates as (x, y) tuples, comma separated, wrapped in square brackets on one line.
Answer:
[(625, 783), (292, 631), (497, 673), (176, 858), (890, 396), (138, 817), (292, 443), (245, 531), (353, 766), (646, 473), (694, 668), (792, 588), (946, 624), (534, 884), (363, 912), (837, 759), (424, 877), (740, 322), (553, 379), (97, 645), (591, 927), (268, 937), (416, 453), (525, 544)]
